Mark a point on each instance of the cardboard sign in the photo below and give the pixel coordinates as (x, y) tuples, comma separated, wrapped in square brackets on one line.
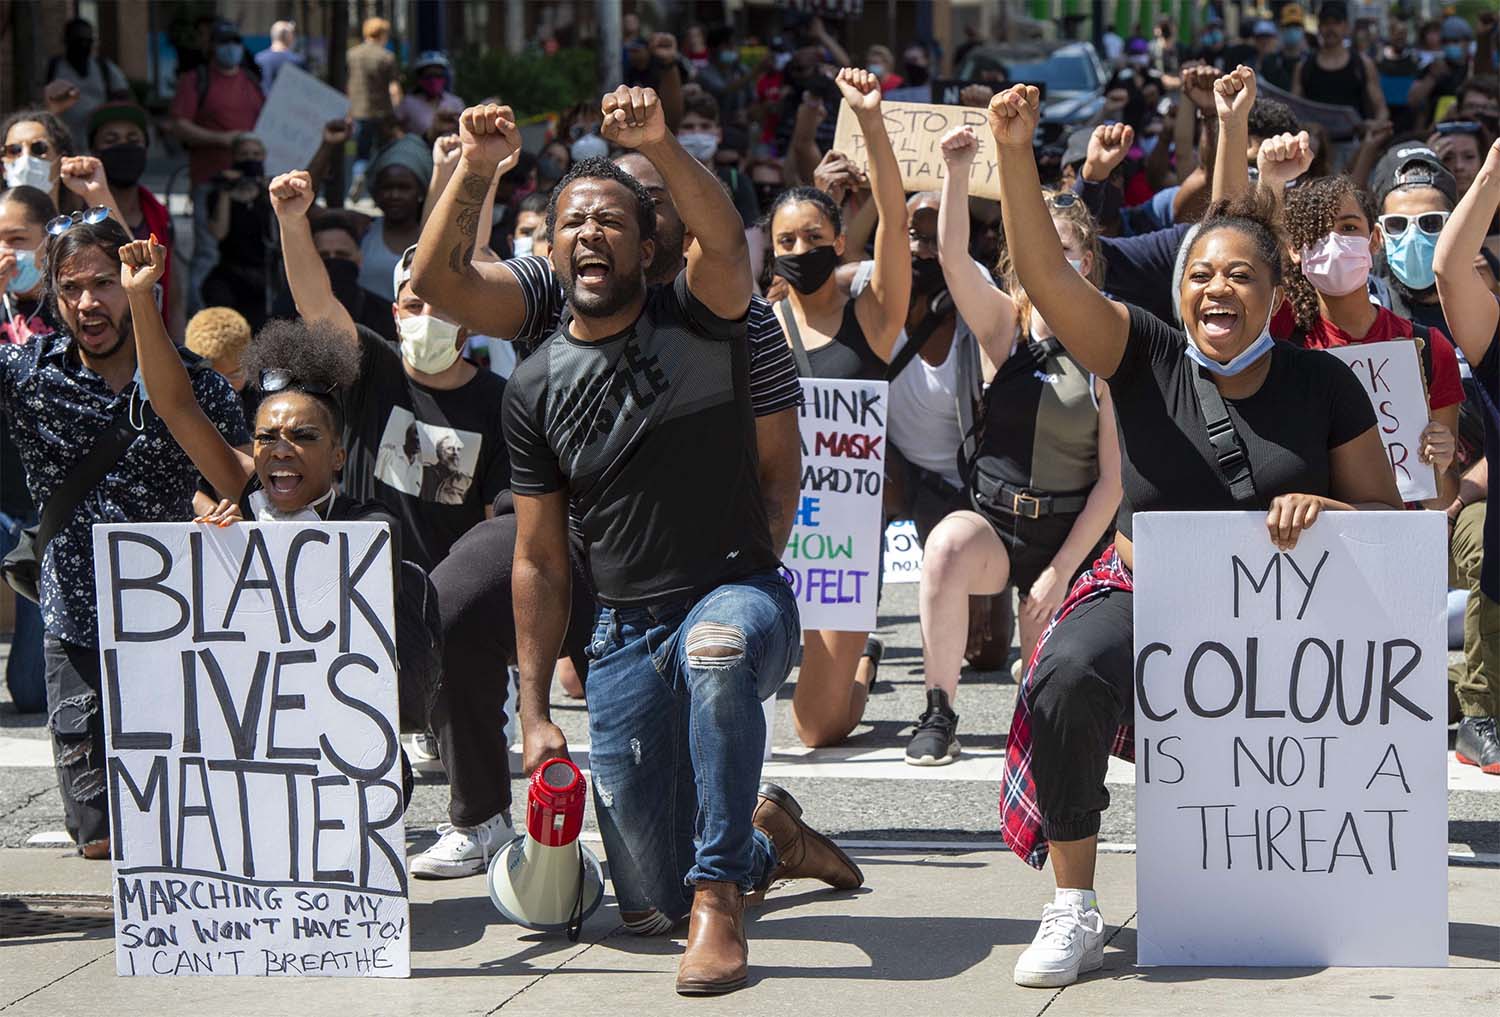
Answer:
[(833, 555), (1391, 373), (1291, 734), (291, 122), (916, 131), (903, 553), (254, 773)]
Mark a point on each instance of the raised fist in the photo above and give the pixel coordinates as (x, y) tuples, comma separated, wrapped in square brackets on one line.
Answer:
[(860, 89), (1108, 147), (1234, 94), (960, 145), (1284, 158), (1014, 114), (633, 117), (141, 265), (292, 194), (488, 135)]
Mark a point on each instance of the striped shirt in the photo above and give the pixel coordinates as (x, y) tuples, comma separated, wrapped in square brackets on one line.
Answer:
[(774, 385)]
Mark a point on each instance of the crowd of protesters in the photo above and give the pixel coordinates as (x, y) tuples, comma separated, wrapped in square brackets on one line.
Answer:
[(516, 357)]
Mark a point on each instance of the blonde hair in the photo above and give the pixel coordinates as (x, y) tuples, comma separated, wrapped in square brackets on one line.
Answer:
[(218, 333), (1082, 221), (374, 28)]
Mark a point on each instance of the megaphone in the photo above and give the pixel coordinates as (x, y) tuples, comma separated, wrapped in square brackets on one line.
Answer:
[(545, 879)]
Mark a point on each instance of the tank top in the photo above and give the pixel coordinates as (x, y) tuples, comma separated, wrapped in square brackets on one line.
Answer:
[(377, 261), (1039, 422), (847, 357), (1343, 87)]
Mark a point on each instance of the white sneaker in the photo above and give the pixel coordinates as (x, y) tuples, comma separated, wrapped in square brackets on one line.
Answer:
[(1069, 943), (463, 850), (422, 748)]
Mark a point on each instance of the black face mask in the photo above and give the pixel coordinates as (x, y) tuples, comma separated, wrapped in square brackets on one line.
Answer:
[(123, 164), (766, 194), (808, 271), (926, 275), (916, 74), (343, 279), (253, 168)]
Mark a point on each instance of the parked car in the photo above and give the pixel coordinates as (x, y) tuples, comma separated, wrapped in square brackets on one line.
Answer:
[(1069, 73)]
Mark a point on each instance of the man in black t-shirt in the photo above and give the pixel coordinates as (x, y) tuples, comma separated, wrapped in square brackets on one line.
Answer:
[(424, 431), (637, 412)]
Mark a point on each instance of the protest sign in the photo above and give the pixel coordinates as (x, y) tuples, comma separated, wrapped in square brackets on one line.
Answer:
[(903, 553), (249, 684), (832, 558), (1391, 374), (1343, 123), (916, 131), (1290, 736), (291, 122)]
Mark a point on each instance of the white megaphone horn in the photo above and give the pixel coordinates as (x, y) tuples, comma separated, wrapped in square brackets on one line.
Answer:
[(545, 879)]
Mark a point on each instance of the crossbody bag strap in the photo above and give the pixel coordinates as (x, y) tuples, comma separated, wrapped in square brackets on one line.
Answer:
[(799, 351), (1228, 449), (83, 477), (917, 338)]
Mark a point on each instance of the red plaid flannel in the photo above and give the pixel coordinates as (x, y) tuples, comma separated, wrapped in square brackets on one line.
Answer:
[(1021, 825)]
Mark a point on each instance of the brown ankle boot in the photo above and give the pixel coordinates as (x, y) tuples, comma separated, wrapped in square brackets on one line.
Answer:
[(716, 959), (801, 851)]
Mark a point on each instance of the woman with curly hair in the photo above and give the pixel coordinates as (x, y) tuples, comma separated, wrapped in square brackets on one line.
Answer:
[(1307, 444), (1332, 235)]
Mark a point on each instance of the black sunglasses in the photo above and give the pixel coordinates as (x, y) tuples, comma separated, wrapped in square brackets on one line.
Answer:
[(61, 224), (277, 379), (38, 148)]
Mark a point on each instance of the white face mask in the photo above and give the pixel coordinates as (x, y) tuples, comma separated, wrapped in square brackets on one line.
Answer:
[(701, 145), (428, 344), (27, 170), (521, 246)]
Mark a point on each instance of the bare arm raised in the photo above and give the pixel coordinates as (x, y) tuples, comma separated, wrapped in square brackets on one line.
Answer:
[(985, 307), (1468, 305), (291, 196)]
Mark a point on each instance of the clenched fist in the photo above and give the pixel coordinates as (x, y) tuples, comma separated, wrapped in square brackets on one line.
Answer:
[(488, 135), (633, 117)]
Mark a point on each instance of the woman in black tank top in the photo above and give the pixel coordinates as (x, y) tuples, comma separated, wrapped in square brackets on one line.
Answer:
[(1354, 83), (833, 336), (1043, 474)]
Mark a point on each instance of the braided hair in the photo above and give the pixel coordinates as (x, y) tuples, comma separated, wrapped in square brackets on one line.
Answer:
[(1312, 211)]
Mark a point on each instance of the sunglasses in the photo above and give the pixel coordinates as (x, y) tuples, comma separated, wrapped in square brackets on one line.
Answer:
[(1063, 199), (1457, 127), (1430, 223), (277, 379), (39, 149), (60, 225)]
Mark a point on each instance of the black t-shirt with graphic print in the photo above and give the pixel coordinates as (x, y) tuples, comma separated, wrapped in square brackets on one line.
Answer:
[(434, 457), (651, 434)]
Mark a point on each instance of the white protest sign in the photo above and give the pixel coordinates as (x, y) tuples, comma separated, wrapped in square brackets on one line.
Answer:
[(903, 553), (253, 763), (291, 122), (832, 557), (1391, 373), (916, 131), (1291, 734)]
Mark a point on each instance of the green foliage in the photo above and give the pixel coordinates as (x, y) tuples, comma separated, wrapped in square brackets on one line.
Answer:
[(531, 83)]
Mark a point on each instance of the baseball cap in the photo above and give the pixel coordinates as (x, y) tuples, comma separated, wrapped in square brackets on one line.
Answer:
[(112, 112), (1333, 10), (402, 275), (226, 31), (1456, 29), (1293, 14), (1412, 165), (1263, 27), (1077, 149)]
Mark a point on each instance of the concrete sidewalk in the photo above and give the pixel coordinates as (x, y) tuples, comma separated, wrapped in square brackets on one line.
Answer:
[(934, 933)]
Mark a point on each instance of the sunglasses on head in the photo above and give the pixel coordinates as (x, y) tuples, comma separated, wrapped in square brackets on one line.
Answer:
[(1063, 199), (276, 379), (1430, 223), (39, 149), (60, 225)]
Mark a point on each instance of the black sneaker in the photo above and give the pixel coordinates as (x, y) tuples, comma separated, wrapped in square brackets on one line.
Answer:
[(1477, 745), (935, 741)]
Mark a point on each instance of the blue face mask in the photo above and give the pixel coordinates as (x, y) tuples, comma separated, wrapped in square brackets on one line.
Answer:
[(1250, 355), (28, 273), (1456, 52), (1410, 257), (1212, 39), (229, 54), (1291, 37)]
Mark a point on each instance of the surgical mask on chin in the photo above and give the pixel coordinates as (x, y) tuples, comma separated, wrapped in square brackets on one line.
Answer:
[(521, 246), (428, 344), (701, 145), (26, 170), (28, 273), (1250, 355), (1338, 264), (1410, 258)]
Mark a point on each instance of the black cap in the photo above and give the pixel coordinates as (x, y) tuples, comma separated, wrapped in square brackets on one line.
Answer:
[(226, 31), (1410, 164), (1333, 10)]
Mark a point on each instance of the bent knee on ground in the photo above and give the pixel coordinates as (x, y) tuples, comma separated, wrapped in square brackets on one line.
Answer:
[(713, 645)]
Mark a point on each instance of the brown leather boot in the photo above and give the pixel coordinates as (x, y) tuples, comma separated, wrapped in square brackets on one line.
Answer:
[(717, 959), (801, 851)]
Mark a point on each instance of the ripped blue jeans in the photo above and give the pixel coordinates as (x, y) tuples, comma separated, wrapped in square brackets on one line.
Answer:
[(676, 741), (76, 720)]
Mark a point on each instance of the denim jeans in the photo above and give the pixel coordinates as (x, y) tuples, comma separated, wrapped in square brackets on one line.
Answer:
[(677, 736), (24, 669), (77, 725)]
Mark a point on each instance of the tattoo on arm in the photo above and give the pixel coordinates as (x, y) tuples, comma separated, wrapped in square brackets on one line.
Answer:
[(471, 194)]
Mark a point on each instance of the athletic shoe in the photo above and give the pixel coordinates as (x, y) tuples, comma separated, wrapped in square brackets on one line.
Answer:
[(1069, 943), (423, 748), (935, 741), (463, 850), (1478, 744)]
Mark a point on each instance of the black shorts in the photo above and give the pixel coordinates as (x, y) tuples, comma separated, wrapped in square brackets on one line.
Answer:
[(1032, 543)]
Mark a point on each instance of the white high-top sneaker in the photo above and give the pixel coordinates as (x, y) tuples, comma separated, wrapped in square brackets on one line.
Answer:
[(463, 850), (1069, 943)]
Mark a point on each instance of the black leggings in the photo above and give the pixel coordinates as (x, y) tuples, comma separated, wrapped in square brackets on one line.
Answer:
[(479, 641), (1082, 691)]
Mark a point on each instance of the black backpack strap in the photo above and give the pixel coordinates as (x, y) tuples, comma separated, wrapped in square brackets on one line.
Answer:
[(1424, 349), (83, 477), (941, 305), (799, 351), (1228, 449)]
